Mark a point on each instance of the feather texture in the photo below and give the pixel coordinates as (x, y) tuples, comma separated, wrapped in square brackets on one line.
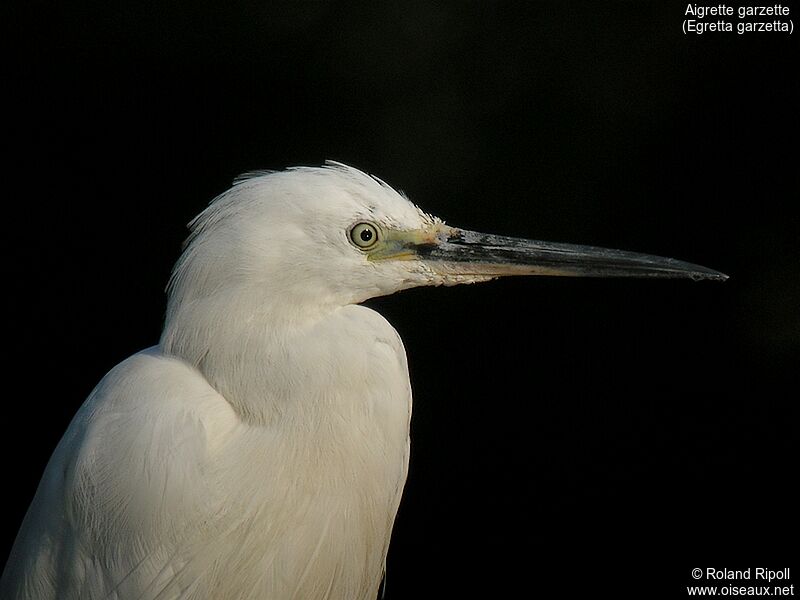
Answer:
[(159, 489), (260, 450)]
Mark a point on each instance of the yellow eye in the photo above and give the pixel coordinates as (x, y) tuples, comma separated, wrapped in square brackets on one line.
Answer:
[(364, 235)]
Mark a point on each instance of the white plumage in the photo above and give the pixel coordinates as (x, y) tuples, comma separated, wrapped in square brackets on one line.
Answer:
[(260, 450)]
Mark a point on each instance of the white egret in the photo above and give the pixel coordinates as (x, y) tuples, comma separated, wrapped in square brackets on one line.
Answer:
[(261, 448)]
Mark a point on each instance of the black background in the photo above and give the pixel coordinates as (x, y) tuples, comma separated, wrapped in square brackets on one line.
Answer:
[(569, 436)]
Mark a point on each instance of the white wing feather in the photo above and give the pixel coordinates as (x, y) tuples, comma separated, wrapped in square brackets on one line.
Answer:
[(159, 490)]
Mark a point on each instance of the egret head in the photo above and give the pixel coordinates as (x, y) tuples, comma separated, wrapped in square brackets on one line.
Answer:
[(329, 236)]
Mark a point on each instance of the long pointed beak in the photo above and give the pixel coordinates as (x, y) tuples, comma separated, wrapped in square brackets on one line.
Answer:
[(469, 253)]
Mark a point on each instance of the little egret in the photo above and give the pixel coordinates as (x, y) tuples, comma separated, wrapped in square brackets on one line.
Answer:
[(259, 451)]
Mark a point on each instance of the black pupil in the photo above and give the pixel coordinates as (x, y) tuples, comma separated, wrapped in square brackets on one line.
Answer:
[(366, 235)]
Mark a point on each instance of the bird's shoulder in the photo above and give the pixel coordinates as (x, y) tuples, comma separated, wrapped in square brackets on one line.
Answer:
[(151, 421), (129, 471), (150, 397)]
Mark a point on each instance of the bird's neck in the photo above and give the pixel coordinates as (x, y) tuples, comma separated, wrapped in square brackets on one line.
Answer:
[(246, 351)]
